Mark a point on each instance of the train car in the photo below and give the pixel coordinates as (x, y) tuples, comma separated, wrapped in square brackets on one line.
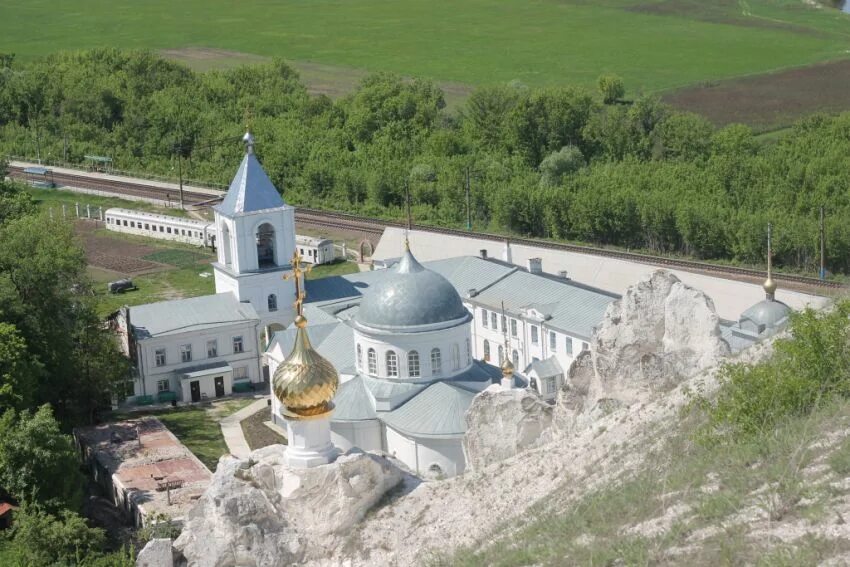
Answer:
[(315, 250), (39, 177), (165, 227)]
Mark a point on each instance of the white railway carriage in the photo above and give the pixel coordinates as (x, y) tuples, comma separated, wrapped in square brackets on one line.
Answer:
[(166, 227), (315, 250)]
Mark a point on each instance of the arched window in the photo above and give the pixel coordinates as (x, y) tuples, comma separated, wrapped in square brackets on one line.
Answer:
[(413, 364), (359, 357), (455, 356), (436, 362), (265, 246), (392, 363), (515, 357), (486, 350), (373, 361), (468, 352), (227, 252), (501, 354), (272, 302)]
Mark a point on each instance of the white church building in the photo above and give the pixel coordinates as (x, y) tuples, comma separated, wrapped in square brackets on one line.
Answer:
[(189, 350)]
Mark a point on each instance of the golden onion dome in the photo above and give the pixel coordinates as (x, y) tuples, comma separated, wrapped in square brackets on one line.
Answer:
[(507, 368), (769, 287), (305, 383)]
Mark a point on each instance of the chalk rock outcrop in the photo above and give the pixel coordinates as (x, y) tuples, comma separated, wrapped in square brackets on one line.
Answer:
[(260, 512), (658, 333), (156, 553), (501, 423)]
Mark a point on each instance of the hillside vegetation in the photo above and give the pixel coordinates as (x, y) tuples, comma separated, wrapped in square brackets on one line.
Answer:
[(549, 162)]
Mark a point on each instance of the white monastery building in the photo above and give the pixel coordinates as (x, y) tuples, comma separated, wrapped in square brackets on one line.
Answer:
[(394, 356)]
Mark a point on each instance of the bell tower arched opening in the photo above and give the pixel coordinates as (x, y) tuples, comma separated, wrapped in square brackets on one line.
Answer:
[(266, 246)]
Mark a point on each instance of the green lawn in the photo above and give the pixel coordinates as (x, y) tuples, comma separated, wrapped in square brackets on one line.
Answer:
[(653, 44), (337, 268), (196, 427), (55, 198)]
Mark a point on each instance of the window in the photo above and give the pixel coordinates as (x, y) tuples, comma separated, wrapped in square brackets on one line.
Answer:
[(468, 352), (392, 363), (455, 356), (413, 364), (359, 357), (494, 320), (549, 385), (161, 228), (132, 224), (553, 340), (534, 337), (125, 222), (238, 346), (504, 324), (501, 354), (162, 386), (484, 318), (373, 361), (436, 362), (186, 353), (513, 327), (515, 357), (147, 226), (168, 230), (584, 347), (272, 302), (212, 348), (160, 357), (569, 345), (240, 372), (486, 350)]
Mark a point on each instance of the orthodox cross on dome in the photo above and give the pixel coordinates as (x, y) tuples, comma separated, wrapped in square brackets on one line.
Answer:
[(409, 217), (505, 331), (248, 138), (769, 285), (298, 274)]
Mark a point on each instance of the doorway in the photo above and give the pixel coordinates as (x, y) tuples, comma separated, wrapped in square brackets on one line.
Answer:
[(219, 386), (195, 388)]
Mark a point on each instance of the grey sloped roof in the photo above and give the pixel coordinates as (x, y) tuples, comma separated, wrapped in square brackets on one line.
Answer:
[(388, 389), (546, 368), (438, 411), (333, 340), (768, 312), (251, 190), (573, 309), (195, 313), (353, 402), (410, 296)]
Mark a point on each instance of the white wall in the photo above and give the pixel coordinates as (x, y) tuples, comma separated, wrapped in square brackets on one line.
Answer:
[(423, 343), (150, 374), (419, 454), (207, 385), (365, 435)]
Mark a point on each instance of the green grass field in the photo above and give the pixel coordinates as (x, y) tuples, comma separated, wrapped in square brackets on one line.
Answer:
[(652, 44)]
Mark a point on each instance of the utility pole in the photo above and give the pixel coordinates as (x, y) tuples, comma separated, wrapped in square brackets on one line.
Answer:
[(468, 212), (822, 273)]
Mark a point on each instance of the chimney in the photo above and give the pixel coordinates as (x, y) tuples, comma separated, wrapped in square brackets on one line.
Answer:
[(535, 265), (483, 253), (506, 252), (563, 275)]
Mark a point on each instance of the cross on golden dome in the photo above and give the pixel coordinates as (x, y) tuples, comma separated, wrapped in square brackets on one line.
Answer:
[(298, 274)]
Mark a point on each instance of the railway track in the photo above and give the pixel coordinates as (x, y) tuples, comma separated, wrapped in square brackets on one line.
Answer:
[(375, 226)]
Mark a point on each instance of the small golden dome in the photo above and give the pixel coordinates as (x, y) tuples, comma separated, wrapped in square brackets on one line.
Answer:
[(507, 368), (305, 383), (769, 287)]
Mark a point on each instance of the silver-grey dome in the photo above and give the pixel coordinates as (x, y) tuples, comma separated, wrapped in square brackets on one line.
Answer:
[(410, 296), (767, 314)]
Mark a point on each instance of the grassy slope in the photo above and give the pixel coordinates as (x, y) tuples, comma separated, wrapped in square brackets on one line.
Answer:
[(692, 505), (472, 41)]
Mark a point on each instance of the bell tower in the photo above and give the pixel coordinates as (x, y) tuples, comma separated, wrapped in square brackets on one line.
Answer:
[(255, 238)]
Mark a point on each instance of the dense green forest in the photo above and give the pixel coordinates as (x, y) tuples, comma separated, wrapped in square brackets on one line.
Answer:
[(58, 365), (561, 163)]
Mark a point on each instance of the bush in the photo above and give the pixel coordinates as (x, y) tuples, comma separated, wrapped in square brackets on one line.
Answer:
[(611, 88), (807, 370)]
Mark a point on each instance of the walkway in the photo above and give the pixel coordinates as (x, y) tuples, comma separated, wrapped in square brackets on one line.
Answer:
[(232, 430)]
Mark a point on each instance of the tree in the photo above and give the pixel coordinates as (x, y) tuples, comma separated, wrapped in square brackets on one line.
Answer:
[(19, 371), (611, 88), (38, 463), (558, 164)]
